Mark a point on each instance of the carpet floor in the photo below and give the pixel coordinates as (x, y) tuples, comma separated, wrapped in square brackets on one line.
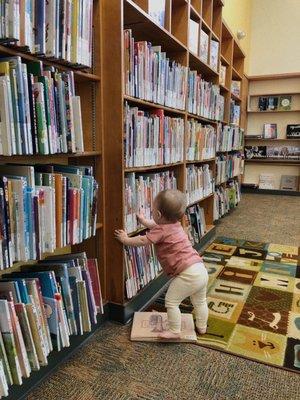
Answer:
[(110, 367)]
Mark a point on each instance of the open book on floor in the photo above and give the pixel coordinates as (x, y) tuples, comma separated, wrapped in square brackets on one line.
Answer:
[(147, 326)]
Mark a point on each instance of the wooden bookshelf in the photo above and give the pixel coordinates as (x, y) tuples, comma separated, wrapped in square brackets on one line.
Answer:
[(271, 86), (173, 38), (88, 86)]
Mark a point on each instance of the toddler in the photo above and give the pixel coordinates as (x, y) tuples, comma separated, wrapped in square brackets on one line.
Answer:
[(177, 258)]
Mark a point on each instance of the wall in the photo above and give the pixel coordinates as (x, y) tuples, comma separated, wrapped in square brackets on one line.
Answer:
[(275, 34), (237, 15)]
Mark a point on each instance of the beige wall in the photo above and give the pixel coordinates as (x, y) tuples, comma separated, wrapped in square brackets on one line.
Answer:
[(237, 15), (275, 37)]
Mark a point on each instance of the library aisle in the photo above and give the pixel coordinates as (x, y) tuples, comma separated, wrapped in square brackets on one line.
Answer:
[(111, 367)]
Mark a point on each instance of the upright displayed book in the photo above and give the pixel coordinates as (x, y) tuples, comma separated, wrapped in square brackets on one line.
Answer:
[(204, 46), (270, 131), (214, 54), (266, 181), (157, 11), (194, 36)]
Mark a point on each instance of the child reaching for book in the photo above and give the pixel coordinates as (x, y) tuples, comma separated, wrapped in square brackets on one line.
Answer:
[(177, 257)]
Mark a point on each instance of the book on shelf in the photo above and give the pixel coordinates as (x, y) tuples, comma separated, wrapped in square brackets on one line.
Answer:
[(236, 88), (214, 54), (150, 75), (229, 138), (140, 191), (293, 131), (201, 141), (195, 225), (44, 207), (285, 103), (40, 112), (226, 198), (270, 131), (222, 76), (204, 98), (269, 103), (235, 113), (157, 11), (228, 166), (199, 182), (204, 46), (152, 138), (289, 182), (141, 267), (266, 181), (58, 29), (42, 306), (194, 36)]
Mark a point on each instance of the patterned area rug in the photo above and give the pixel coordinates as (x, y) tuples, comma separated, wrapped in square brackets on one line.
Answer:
[(254, 301)]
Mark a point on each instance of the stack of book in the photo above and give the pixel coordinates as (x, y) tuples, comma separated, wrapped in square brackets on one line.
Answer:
[(272, 152), (235, 113), (41, 307), (229, 138), (140, 191), (44, 207), (56, 29), (226, 198), (195, 224), (150, 75), (151, 138), (199, 182), (204, 98), (141, 267), (228, 166), (201, 141), (40, 113)]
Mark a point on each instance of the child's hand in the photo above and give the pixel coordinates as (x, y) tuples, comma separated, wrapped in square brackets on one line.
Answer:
[(140, 217), (121, 235)]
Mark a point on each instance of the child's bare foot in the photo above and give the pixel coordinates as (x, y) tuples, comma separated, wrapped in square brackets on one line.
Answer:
[(201, 331), (169, 335)]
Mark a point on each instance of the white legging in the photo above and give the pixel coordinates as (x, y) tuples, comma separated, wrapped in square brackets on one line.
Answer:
[(190, 283)]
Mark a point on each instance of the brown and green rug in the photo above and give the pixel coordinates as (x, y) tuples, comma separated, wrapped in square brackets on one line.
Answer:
[(254, 301)]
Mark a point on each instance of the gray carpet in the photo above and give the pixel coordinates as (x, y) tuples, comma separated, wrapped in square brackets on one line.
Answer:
[(110, 367)]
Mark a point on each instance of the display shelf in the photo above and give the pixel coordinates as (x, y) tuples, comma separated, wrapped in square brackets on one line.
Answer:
[(270, 191), (149, 104), (273, 161), (200, 200), (280, 140), (153, 167)]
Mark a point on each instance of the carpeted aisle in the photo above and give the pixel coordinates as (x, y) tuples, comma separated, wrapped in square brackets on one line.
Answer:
[(110, 367)]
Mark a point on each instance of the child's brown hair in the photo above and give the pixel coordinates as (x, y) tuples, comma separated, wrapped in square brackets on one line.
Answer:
[(171, 204)]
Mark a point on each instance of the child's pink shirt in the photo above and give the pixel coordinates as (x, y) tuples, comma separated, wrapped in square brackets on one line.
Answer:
[(173, 248)]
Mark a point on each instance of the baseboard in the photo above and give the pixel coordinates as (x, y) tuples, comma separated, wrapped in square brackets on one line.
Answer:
[(270, 191)]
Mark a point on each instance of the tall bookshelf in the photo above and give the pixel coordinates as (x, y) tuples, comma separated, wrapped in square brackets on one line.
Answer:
[(88, 87), (174, 40), (271, 86)]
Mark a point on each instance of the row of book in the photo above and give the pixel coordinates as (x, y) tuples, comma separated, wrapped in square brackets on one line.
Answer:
[(41, 307), (200, 45), (141, 267), (229, 138), (278, 152), (235, 113), (226, 198), (150, 75), (199, 182), (40, 113), (195, 225), (228, 166), (204, 98), (152, 138), (44, 207), (201, 141), (60, 29), (140, 191)]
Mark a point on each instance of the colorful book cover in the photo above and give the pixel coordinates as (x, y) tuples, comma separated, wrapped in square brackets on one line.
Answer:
[(4, 359)]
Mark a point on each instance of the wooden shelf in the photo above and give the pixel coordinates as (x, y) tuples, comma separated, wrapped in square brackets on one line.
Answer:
[(236, 98), (202, 67), (153, 167), (144, 27), (195, 116), (224, 61), (274, 94), (271, 111), (201, 161), (256, 190), (149, 104), (223, 88), (236, 75), (271, 140), (273, 161), (38, 157), (79, 75), (200, 200)]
